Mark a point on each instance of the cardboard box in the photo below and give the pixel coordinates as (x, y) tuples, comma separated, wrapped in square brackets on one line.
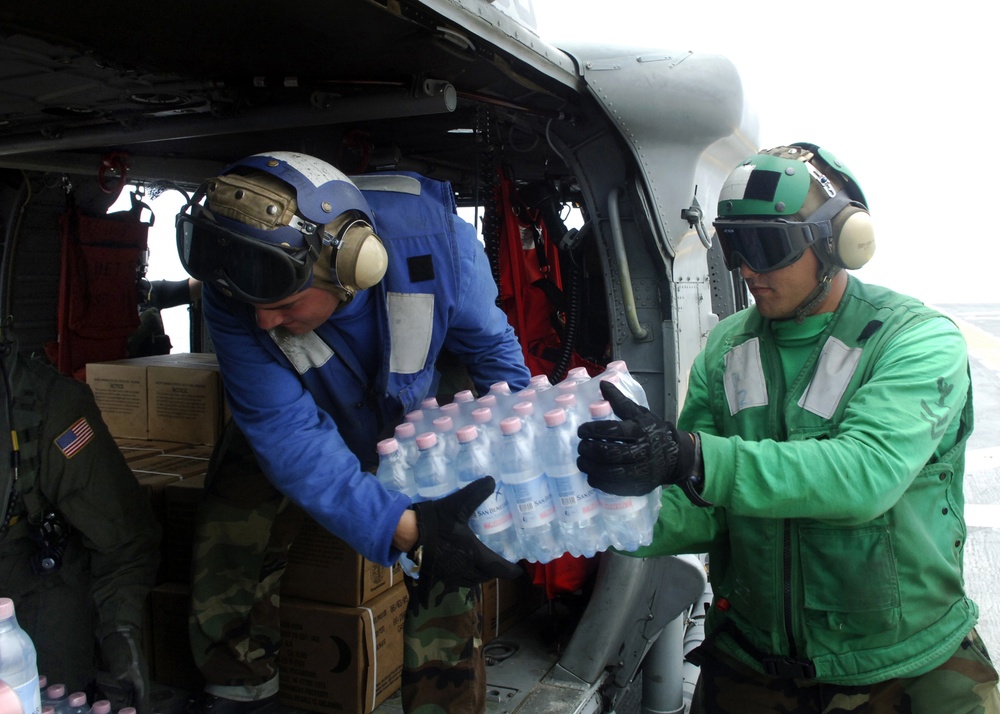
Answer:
[(181, 506), (119, 389), (322, 567), (172, 663), (337, 659), (184, 401), (175, 397), (507, 602)]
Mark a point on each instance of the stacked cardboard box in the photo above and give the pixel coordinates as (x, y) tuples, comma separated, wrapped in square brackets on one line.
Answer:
[(338, 659), (175, 397), (341, 616), (324, 568)]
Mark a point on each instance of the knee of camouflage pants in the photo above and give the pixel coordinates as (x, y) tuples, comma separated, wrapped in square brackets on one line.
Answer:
[(244, 529), (444, 671)]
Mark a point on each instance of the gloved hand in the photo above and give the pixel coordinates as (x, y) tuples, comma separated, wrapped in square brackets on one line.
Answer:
[(450, 552), (124, 679), (633, 456)]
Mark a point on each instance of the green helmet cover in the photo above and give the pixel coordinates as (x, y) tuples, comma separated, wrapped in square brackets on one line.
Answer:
[(776, 183)]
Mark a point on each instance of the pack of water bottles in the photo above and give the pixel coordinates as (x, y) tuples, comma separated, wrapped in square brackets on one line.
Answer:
[(19, 677), (543, 506)]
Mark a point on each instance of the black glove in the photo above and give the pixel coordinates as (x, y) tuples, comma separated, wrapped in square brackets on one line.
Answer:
[(633, 456), (124, 680), (449, 551)]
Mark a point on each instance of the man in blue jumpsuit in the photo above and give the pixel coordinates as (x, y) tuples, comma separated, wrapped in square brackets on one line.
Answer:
[(321, 356), (819, 457)]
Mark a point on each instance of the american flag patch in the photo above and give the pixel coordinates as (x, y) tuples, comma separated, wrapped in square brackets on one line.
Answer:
[(75, 438)]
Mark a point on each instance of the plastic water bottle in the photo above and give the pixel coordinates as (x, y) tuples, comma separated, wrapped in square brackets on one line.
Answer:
[(444, 427), (18, 660), (529, 423), (528, 494), (393, 471), (431, 473), (628, 519), (591, 391), (77, 703), (492, 522), (487, 400), (418, 419), (504, 400), (629, 385), (576, 501), (406, 437), (489, 432), (55, 696), (453, 410), (539, 382), (575, 410), (466, 402), (101, 706), (396, 475)]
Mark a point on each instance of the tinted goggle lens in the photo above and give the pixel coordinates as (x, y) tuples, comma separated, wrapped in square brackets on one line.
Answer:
[(253, 271), (763, 245)]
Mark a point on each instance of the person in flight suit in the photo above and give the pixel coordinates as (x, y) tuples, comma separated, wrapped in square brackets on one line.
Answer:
[(79, 544), (819, 459)]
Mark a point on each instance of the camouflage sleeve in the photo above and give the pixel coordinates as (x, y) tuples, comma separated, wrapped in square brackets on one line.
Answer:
[(87, 478)]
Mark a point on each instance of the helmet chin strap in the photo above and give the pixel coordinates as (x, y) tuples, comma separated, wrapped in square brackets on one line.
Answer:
[(824, 282)]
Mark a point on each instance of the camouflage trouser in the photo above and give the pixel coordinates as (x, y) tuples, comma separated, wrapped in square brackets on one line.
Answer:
[(965, 684), (444, 669), (245, 528)]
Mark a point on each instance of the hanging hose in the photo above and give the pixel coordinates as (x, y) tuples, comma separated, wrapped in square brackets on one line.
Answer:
[(572, 295)]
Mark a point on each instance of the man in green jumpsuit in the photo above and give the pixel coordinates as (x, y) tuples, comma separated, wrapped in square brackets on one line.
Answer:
[(819, 456), (78, 539)]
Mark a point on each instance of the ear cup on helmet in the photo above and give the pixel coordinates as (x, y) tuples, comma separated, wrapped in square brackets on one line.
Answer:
[(361, 259), (853, 242)]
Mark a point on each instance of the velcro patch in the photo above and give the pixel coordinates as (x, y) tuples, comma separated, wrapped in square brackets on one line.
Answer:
[(421, 268), (762, 185)]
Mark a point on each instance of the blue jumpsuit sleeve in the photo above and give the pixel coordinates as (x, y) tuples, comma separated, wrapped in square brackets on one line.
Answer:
[(478, 333), (297, 444)]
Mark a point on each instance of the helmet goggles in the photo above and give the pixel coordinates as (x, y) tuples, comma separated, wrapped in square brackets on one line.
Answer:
[(766, 245), (251, 270)]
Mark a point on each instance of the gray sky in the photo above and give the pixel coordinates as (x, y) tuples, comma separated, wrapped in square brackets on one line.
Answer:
[(902, 93)]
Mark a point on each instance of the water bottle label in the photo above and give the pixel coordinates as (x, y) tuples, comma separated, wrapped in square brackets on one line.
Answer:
[(534, 502), (492, 516), (31, 700), (619, 506), (577, 499)]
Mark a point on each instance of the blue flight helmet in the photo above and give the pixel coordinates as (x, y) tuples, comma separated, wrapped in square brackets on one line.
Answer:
[(276, 223)]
